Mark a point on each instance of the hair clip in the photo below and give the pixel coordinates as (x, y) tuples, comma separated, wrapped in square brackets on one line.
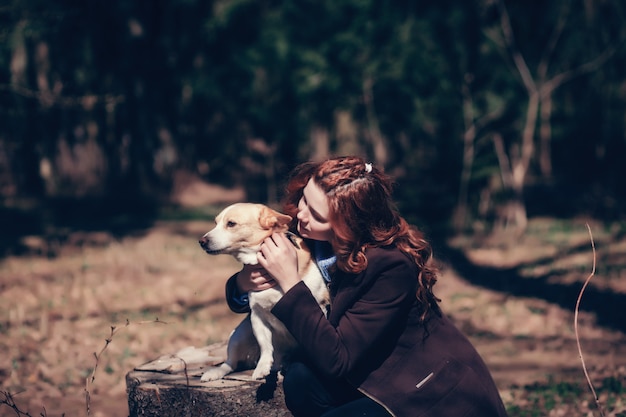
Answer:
[(368, 167)]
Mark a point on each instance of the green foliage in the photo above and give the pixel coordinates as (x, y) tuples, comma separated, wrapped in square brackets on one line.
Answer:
[(565, 398), (167, 85)]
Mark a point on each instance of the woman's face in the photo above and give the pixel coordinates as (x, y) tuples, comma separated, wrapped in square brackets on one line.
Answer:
[(313, 212)]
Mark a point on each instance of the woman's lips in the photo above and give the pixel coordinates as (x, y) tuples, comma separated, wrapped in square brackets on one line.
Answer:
[(301, 229)]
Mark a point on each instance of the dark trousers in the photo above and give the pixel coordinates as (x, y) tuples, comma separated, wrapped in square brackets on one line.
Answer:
[(308, 394)]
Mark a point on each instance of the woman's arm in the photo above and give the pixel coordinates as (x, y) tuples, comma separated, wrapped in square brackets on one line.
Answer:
[(370, 324), (250, 278), (237, 301)]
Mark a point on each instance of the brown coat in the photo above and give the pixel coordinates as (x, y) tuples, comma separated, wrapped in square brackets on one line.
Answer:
[(374, 338)]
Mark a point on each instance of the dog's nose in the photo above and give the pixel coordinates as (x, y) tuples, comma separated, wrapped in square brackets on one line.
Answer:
[(202, 241)]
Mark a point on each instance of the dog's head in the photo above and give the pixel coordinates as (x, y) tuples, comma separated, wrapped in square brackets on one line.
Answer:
[(241, 228)]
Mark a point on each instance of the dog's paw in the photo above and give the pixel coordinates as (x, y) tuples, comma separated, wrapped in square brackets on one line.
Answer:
[(212, 375), (215, 373), (262, 370)]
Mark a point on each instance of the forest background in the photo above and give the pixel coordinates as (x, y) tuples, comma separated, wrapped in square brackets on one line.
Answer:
[(489, 114), (486, 109)]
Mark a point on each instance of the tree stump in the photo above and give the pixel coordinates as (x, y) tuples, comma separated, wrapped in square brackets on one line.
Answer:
[(171, 386)]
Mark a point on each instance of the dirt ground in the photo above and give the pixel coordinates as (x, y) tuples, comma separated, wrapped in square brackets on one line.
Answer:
[(156, 292)]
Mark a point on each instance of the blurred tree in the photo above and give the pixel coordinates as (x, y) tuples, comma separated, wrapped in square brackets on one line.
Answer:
[(568, 63), (110, 100)]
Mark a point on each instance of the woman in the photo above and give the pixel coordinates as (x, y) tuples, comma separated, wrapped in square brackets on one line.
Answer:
[(385, 348)]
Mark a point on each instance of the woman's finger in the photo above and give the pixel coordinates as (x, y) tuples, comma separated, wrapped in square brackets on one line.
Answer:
[(266, 285)]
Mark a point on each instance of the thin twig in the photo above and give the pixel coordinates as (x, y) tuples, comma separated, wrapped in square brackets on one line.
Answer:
[(580, 296), (97, 356), (10, 402), (187, 385)]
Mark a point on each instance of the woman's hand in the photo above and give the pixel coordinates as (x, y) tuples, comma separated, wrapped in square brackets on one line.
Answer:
[(254, 278), (278, 256)]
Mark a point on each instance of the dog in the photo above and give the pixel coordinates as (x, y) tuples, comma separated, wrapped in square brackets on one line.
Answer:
[(260, 341)]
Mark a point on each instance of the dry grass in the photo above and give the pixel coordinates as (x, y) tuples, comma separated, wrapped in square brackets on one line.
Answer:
[(528, 333), (56, 313)]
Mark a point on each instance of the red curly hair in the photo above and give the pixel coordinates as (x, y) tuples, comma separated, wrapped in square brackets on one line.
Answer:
[(363, 215)]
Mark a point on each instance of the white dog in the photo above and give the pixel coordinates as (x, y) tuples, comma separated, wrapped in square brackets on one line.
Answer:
[(239, 231)]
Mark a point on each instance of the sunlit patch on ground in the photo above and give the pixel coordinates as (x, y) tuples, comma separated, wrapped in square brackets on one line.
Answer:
[(57, 312)]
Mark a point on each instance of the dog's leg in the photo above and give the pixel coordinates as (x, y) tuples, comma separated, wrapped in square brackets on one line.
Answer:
[(242, 353), (217, 372), (263, 334)]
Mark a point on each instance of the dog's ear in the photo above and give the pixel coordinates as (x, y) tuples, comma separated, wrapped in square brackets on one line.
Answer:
[(271, 219)]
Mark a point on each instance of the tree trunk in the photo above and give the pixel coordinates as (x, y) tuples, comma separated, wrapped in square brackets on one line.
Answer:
[(320, 143), (545, 137), (381, 155), (512, 214), (171, 386), (469, 137)]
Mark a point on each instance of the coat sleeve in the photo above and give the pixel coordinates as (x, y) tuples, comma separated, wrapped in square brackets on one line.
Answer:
[(237, 302), (371, 322)]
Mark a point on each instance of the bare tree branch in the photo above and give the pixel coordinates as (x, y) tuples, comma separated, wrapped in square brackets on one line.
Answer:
[(580, 296), (50, 99), (509, 40), (590, 66), (503, 160), (542, 68)]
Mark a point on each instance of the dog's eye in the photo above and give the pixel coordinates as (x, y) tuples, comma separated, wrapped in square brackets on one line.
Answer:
[(231, 223)]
